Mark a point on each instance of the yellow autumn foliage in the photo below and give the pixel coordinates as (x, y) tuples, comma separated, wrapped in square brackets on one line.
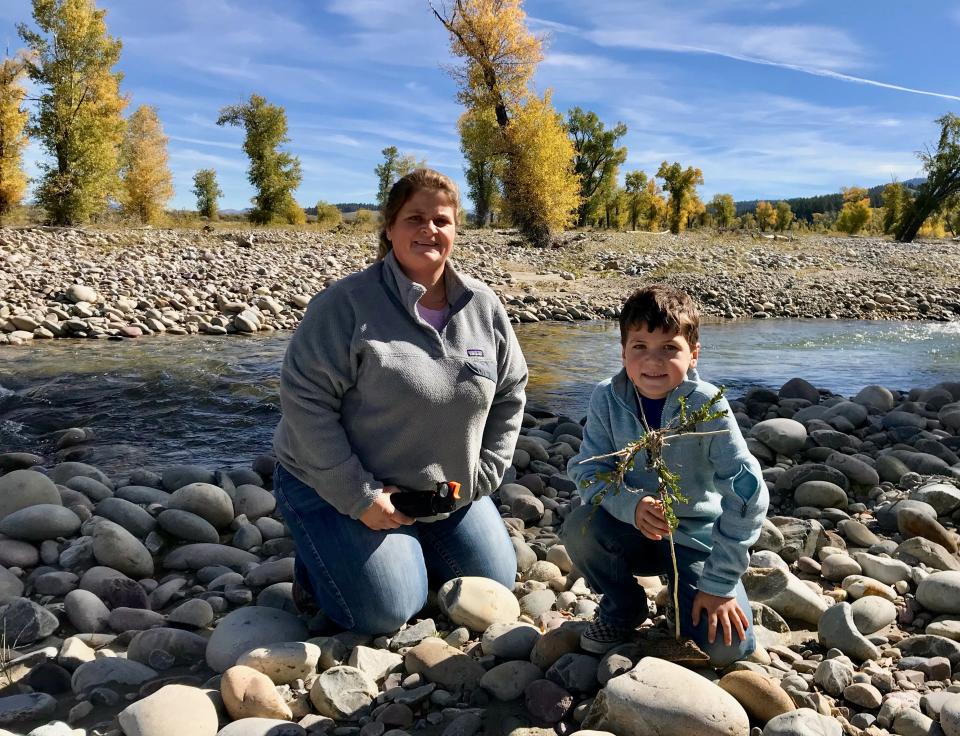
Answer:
[(147, 184), (542, 187), (13, 138)]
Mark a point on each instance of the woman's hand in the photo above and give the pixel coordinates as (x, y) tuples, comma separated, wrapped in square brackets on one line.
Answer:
[(649, 518), (723, 611), (381, 514)]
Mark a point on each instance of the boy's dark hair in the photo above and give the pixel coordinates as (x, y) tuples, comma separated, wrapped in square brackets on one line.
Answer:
[(661, 307)]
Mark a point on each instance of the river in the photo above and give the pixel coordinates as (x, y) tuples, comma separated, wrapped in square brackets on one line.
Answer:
[(213, 400)]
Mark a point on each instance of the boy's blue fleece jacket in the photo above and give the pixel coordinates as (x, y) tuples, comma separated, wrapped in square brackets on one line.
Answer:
[(727, 495)]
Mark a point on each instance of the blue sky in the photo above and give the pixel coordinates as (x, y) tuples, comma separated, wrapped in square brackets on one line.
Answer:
[(771, 99)]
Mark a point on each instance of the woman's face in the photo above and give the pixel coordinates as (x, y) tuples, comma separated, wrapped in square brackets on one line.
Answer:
[(422, 234)]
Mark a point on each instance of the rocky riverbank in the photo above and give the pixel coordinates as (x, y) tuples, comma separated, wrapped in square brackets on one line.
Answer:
[(159, 603), (129, 283)]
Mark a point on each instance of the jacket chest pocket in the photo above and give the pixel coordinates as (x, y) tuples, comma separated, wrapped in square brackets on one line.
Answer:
[(483, 368)]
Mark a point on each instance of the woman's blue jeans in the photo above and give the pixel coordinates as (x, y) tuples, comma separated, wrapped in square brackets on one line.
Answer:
[(373, 582), (610, 553)]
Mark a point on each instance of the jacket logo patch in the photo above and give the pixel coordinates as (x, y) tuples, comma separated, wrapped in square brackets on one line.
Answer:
[(475, 353)]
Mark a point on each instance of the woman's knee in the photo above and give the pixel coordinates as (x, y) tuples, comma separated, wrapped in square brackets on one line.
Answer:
[(388, 612)]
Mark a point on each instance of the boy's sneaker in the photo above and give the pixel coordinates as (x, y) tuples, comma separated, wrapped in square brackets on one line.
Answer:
[(601, 636)]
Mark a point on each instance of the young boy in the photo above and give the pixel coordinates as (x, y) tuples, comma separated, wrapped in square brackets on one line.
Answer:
[(627, 534)]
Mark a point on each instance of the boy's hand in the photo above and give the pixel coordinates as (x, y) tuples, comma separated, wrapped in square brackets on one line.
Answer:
[(649, 519), (725, 611)]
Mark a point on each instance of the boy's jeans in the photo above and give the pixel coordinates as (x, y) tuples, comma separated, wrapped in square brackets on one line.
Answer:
[(375, 581), (609, 553)]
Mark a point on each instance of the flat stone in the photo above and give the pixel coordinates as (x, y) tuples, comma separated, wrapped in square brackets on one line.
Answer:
[(857, 533), (477, 602), (836, 628), (115, 547), (884, 569), (929, 553), (39, 522), (86, 611), (205, 500), (659, 697), (343, 692), (130, 516), (820, 494), (859, 472), (200, 555), (508, 680), (110, 671), (925, 645), (23, 488), (783, 436), (178, 476), (760, 696), (185, 647), (375, 663), (248, 693), (802, 722), (173, 710), (944, 497), (262, 727), (23, 622), (940, 592), (510, 640), (27, 707), (284, 662), (912, 523), (248, 628), (446, 666), (871, 613)]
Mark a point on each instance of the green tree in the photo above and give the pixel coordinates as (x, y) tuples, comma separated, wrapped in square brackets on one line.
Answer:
[(78, 119), (784, 216), (394, 167), (953, 215), (596, 158), (723, 209), (942, 167), (500, 56), (273, 173), (681, 184), (635, 183), (895, 201), (481, 143), (765, 215), (856, 210), (13, 137), (147, 184), (328, 216), (207, 191)]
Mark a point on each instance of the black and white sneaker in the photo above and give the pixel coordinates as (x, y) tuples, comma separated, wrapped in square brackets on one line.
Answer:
[(601, 636)]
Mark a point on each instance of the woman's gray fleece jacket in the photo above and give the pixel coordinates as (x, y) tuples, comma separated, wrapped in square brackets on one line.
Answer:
[(372, 395)]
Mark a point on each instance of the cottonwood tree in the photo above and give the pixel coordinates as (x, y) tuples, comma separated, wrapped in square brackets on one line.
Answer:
[(539, 177), (273, 173), (856, 210), (394, 167), (13, 136), (208, 192), (784, 216), (681, 184), (79, 114), (500, 56), (481, 143), (895, 202), (723, 209), (942, 167), (147, 184), (765, 215), (596, 159)]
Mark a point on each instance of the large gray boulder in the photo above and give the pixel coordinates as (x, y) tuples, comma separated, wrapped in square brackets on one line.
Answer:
[(658, 697)]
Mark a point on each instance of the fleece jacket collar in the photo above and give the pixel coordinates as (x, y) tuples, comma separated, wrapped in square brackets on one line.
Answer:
[(409, 292), (624, 391)]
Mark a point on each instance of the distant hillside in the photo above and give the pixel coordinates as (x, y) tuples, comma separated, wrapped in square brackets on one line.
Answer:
[(344, 207), (805, 207)]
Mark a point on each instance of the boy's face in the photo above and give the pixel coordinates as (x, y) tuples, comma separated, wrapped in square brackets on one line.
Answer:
[(657, 362)]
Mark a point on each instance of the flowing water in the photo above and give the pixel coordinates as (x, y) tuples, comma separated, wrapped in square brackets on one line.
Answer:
[(213, 401)]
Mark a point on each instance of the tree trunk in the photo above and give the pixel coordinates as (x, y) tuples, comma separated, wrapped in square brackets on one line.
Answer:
[(922, 208)]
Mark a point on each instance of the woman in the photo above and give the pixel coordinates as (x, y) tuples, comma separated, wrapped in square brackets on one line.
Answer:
[(400, 376)]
